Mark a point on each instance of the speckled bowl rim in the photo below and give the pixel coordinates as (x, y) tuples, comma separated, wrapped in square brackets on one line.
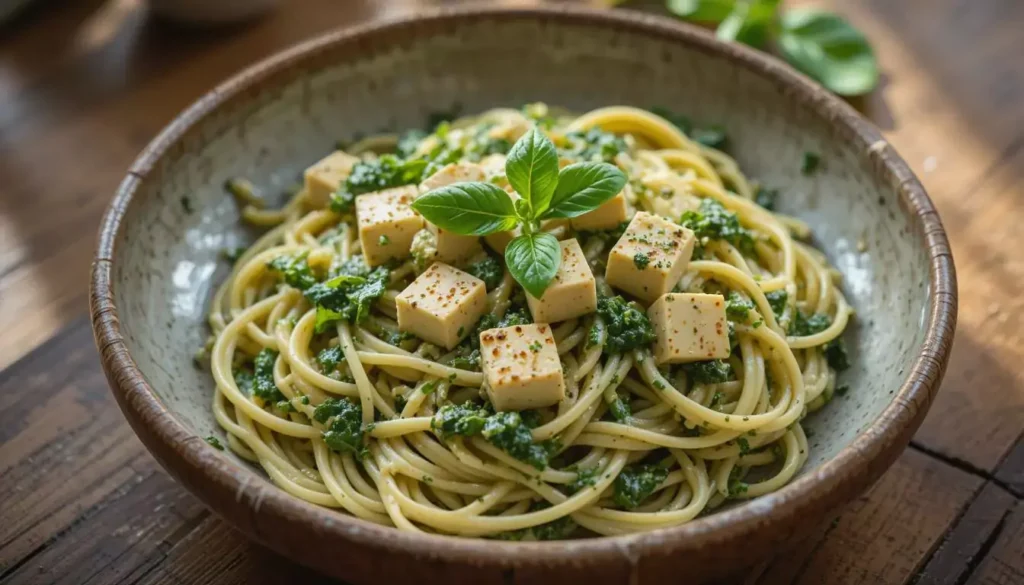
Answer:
[(826, 488)]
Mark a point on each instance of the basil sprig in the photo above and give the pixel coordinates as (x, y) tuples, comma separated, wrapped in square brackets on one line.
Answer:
[(545, 192), (821, 44)]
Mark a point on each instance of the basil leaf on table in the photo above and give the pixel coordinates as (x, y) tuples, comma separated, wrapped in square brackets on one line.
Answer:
[(532, 170), (582, 187), (826, 47), (533, 260), (750, 23), (701, 10), (469, 209)]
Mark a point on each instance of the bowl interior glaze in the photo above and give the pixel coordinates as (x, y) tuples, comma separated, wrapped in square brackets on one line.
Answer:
[(269, 124)]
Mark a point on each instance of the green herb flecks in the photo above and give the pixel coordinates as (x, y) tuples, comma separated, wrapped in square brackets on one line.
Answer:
[(713, 222), (626, 324), (343, 420), (329, 358), (636, 483), (738, 308), (505, 430), (593, 145), (708, 372), (384, 172), (263, 386), (488, 270), (347, 297)]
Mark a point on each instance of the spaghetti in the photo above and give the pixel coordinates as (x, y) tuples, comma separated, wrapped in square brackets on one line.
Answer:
[(681, 440)]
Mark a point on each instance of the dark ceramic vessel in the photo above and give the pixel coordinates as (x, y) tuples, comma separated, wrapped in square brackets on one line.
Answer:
[(157, 262)]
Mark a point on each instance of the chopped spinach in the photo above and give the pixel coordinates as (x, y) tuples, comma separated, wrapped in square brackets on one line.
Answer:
[(713, 222), (708, 372), (343, 419), (636, 483), (777, 301), (263, 386), (594, 145), (626, 324), (295, 270), (738, 308), (329, 358), (488, 270)]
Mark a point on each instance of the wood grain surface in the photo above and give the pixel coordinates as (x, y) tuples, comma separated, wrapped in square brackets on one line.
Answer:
[(84, 84)]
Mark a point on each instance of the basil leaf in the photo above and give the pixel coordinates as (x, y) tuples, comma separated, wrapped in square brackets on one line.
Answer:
[(533, 261), (829, 49), (532, 170), (750, 23), (469, 209), (701, 10), (582, 187)]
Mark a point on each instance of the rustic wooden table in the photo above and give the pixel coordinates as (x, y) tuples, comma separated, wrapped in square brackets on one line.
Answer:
[(84, 84)]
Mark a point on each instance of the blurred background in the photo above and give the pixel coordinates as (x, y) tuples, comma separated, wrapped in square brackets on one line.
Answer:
[(86, 84)]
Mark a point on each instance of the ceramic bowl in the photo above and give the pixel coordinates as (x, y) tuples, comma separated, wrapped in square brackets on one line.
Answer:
[(158, 261)]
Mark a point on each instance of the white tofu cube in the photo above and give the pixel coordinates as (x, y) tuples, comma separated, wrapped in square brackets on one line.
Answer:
[(609, 215), (453, 173), (498, 241), (572, 293), (650, 257), (521, 367), (387, 223), (689, 328), (493, 165), (451, 247), (442, 305), (327, 175)]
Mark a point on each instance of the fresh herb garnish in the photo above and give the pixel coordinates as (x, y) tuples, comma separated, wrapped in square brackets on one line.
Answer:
[(479, 209), (821, 44), (214, 442)]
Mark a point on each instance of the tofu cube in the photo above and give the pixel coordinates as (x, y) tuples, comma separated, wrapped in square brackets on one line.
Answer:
[(650, 257), (451, 247), (572, 293), (327, 175), (521, 367), (387, 223), (453, 173), (609, 215), (689, 328), (442, 305), (498, 241)]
